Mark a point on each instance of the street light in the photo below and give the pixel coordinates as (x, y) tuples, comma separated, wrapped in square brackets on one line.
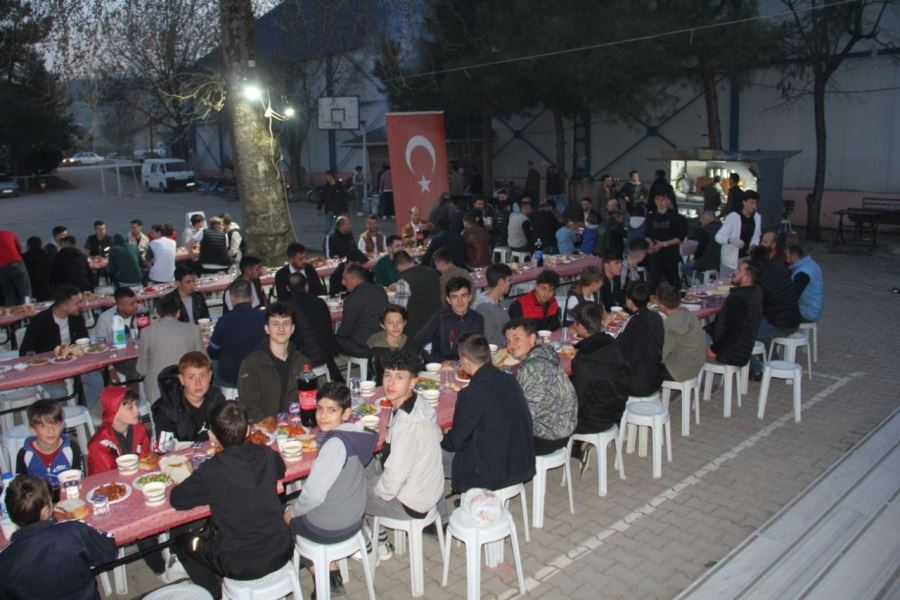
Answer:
[(289, 111), (252, 92)]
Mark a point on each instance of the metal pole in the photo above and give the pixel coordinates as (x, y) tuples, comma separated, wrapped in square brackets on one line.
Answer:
[(118, 181), (102, 181), (365, 161)]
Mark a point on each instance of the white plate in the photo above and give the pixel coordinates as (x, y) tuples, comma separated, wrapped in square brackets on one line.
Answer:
[(124, 496), (5, 369), (370, 421), (377, 406), (62, 361), (141, 486)]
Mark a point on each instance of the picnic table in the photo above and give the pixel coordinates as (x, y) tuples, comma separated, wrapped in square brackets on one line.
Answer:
[(566, 267), (12, 378), (99, 263)]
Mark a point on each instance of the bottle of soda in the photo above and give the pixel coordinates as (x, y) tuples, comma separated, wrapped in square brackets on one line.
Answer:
[(539, 253), (143, 316), (307, 386)]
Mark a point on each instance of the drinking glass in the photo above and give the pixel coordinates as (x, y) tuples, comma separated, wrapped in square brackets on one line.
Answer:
[(100, 504), (354, 386)]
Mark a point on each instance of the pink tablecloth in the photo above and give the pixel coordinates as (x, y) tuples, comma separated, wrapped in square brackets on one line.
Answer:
[(100, 262), (530, 273), (34, 375)]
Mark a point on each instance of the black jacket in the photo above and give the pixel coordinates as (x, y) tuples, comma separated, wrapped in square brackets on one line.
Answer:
[(612, 293), (42, 334), (641, 344), (70, 267), (170, 411), (214, 248), (50, 560), (425, 297), (339, 245), (38, 266), (708, 255), (361, 318), (332, 198), (444, 329), (282, 282), (313, 333), (260, 385), (450, 240), (734, 330), (600, 376), (492, 433), (545, 225), (198, 305), (239, 485), (780, 303), (98, 246), (236, 335)]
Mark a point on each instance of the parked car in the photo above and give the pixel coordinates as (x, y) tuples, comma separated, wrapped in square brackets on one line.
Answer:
[(8, 186), (164, 174), (84, 158)]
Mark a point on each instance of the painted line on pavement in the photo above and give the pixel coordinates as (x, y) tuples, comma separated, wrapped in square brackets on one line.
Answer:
[(555, 566)]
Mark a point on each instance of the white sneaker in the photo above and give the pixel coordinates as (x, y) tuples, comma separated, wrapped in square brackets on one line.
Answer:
[(174, 571), (385, 552)]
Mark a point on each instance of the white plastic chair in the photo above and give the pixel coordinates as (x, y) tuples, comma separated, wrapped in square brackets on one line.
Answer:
[(759, 349), (180, 591), (494, 553), (322, 554), (729, 373), (779, 369), (278, 584), (542, 464), (359, 361), (655, 416), (791, 344), (79, 418), (812, 328), (413, 529), (600, 441), (690, 396)]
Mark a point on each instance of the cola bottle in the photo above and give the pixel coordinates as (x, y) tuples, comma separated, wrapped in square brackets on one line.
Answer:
[(307, 386)]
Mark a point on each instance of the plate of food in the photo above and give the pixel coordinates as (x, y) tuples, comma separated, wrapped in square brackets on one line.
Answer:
[(290, 431), (149, 462), (115, 491), (367, 409), (261, 437), (152, 477), (36, 361), (309, 443), (505, 359), (61, 360), (268, 424), (461, 376), (427, 384), (567, 351)]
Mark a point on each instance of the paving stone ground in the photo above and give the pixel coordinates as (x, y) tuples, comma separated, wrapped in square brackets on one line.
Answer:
[(651, 538)]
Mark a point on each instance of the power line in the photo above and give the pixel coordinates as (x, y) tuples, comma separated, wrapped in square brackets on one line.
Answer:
[(642, 38)]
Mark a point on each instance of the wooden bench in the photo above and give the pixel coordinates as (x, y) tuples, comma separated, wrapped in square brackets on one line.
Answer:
[(866, 219), (837, 539)]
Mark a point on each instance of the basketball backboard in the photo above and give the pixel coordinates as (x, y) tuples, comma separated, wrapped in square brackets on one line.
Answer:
[(339, 112)]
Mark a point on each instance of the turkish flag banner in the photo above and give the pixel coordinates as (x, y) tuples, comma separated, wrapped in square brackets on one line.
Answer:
[(417, 150)]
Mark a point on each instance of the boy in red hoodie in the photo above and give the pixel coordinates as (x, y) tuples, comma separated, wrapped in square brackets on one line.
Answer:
[(121, 431)]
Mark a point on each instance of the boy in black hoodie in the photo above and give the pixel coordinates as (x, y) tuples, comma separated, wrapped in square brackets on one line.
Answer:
[(247, 537)]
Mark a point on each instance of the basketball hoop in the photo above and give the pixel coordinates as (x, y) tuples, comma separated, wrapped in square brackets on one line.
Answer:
[(339, 112)]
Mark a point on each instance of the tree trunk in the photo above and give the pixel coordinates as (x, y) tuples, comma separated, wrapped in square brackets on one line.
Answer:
[(266, 220), (814, 201), (487, 151), (711, 97)]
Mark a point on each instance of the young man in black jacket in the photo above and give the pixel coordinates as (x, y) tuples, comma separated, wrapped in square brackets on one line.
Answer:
[(192, 303), (444, 330), (313, 331), (641, 342), (735, 329), (186, 401), (247, 537), (296, 255)]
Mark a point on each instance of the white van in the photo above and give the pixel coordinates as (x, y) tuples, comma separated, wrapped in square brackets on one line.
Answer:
[(164, 174)]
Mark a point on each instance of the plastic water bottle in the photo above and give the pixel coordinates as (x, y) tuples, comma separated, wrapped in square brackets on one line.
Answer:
[(6, 523), (539, 253), (120, 338)]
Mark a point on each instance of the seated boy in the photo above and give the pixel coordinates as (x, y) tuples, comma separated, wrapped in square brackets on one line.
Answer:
[(409, 480), (48, 451), (331, 507), (247, 537), (187, 398), (121, 432), (46, 559)]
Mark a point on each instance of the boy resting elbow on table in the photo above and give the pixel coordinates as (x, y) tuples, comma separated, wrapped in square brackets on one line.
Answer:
[(46, 559), (48, 451), (331, 506), (246, 537)]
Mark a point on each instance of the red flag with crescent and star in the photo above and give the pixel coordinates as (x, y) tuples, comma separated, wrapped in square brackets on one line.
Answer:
[(418, 154)]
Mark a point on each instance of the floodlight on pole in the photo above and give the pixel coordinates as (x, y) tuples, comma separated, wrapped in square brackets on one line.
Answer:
[(289, 111), (252, 92)]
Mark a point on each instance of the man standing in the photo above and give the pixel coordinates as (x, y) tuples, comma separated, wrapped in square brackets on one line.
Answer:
[(632, 190), (193, 233), (164, 340), (296, 255), (490, 444), (418, 290), (137, 238), (235, 238), (545, 223), (443, 263), (666, 229), (191, 303), (477, 240), (444, 330), (539, 305), (492, 303), (213, 255), (520, 232), (807, 276), (661, 186), (236, 335), (548, 391), (533, 182), (712, 195), (386, 189), (332, 201), (14, 281), (484, 213), (500, 227), (371, 241), (187, 400), (362, 312), (739, 233), (555, 189), (735, 194), (359, 190), (98, 243), (385, 273), (267, 382)]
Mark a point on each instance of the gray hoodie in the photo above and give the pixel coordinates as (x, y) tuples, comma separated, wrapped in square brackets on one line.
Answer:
[(684, 345), (495, 316)]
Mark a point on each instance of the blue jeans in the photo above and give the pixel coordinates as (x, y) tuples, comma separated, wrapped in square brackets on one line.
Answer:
[(766, 332), (329, 220)]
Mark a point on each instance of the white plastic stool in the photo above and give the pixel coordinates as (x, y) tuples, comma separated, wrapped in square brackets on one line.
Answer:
[(500, 254), (728, 373), (179, 591), (494, 553), (413, 528), (322, 554), (656, 416), (5, 463), (277, 584), (78, 417), (814, 328), (13, 440), (791, 344), (361, 362), (600, 441), (780, 369), (474, 535), (642, 431), (542, 464), (759, 349), (18, 398), (704, 276), (322, 371), (690, 395), (230, 393), (521, 257)]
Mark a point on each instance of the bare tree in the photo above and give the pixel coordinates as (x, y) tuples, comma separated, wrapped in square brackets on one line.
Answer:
[(822, 35)]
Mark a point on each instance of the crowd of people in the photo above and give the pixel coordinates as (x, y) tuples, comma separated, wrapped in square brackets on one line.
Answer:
[(263, 343)]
